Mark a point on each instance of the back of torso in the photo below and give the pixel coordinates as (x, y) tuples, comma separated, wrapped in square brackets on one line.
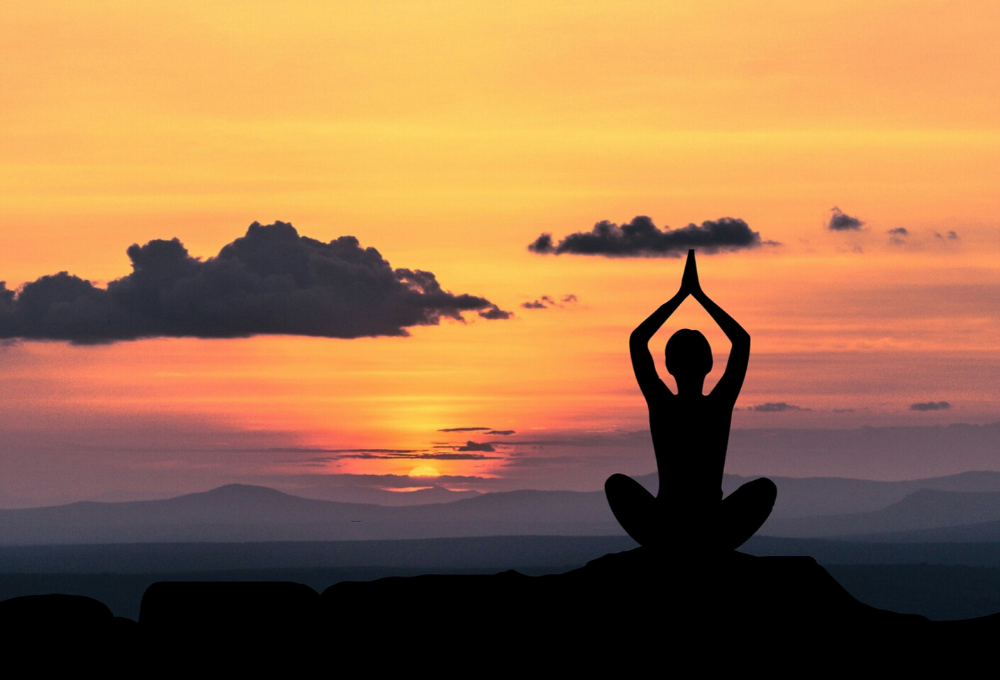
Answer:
[(690, 438)]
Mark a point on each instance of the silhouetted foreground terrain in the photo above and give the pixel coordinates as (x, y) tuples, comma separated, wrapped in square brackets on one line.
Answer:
[(620, 610), (940, 581)]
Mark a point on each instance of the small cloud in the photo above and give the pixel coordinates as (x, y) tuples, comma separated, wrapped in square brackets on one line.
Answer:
[(533, 305), (843, 410), (569, 299), (463, 429), (494, 313), (641, 238), (476, 446), (841, 221), (951, 235), (898, 235), (930, 406), (501, 433), (777, 407)]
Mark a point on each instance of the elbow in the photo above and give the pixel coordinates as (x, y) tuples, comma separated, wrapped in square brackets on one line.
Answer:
[(637, 340)]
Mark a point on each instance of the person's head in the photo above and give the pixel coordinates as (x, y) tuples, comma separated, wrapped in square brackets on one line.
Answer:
[(688, 355)]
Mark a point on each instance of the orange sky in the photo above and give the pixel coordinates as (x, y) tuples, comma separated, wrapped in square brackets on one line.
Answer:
[(448, 135)]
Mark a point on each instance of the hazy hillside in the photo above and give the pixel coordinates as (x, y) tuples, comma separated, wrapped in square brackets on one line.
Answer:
[(816, 496), (923, 509), (978, 533)]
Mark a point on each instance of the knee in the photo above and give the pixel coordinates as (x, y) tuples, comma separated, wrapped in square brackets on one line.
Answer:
[(765, 489), (617, 483)]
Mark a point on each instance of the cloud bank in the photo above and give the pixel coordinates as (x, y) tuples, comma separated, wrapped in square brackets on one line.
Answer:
[(641, 238), (271, 281)]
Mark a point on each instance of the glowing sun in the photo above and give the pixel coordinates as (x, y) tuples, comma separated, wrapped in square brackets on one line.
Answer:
[(424, 471)]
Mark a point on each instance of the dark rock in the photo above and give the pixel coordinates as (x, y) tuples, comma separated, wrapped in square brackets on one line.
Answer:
[(54, 612), (209, 612), (634, 607)]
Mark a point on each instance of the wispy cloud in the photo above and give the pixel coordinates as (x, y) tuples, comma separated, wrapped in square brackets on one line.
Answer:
[(930, 406), (777, 407), (545, 302)]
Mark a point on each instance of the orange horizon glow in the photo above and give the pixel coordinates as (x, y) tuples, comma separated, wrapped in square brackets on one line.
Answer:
[(448, 136)]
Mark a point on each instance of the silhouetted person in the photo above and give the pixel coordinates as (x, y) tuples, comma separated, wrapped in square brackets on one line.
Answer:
[(690, 435)]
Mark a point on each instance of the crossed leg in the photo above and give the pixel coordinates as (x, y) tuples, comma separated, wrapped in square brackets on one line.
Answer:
[(634, 508), (725, 526), (744, 511)]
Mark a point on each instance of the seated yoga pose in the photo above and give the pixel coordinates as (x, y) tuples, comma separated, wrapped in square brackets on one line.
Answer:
[(690, 433)]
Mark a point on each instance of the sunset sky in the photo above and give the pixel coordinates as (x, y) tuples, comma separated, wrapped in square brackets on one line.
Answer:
[(449, 136)]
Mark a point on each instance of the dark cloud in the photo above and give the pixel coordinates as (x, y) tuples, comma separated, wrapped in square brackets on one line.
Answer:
[(371, 481), (294, 449), (951, 235), (476, 446), (462, 429), (494, 313), (899, 231), (843, 410), (569, 298), (930, 406), (777, 407), (533, 305), (501, 433), (641, 238), (841, 221), (271, 281)]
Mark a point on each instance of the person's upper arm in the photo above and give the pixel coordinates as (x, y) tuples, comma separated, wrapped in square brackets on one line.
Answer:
[(644, 368), (731, 382)]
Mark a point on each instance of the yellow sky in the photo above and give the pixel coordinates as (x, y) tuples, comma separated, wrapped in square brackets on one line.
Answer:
[(448, 135)]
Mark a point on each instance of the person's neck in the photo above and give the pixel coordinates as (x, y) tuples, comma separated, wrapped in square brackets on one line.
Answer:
[(690, 386)]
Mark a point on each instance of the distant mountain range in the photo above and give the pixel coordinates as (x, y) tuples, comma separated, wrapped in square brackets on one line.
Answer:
[(962, 507), (252, 513)]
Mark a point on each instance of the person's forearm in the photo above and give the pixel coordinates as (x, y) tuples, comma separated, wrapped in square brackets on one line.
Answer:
[(647, 329), (728, 324)]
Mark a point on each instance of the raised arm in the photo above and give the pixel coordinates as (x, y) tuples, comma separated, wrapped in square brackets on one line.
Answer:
[(638, 344), (731, 382)]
